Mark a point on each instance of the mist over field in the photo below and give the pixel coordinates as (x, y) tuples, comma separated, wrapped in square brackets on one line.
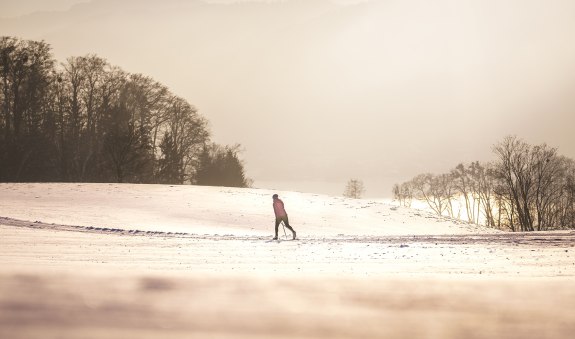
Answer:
[(318, 92)]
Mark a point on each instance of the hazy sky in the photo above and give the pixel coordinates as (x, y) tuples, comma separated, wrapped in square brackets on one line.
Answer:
[(14, 8), (319, 92)]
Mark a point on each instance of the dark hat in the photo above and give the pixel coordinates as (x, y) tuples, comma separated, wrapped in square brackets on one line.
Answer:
[(275, 196)]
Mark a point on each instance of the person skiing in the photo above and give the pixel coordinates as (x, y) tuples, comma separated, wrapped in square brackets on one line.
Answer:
[(281, 215)]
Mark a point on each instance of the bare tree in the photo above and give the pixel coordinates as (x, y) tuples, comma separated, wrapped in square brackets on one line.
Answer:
[(183, 141), (514, 168), (486, 183), (403, 193), (549, 175), (462, 184), (435, 190), (25, 68), (527, 188), (354, 189), (535, 178), (567, 211)]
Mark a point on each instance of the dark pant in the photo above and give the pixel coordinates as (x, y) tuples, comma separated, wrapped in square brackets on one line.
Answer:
[(286, 223)]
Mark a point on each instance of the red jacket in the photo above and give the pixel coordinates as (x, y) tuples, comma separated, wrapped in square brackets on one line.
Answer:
[(279, 209)]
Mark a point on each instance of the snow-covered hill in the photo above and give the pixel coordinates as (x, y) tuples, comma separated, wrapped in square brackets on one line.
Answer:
[(214, 210)]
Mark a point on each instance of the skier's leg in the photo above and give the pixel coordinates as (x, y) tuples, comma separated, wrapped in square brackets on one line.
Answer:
[(278, 220), (286, 222)]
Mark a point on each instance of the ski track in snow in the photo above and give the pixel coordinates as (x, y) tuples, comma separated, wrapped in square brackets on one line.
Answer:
[(555, 238)]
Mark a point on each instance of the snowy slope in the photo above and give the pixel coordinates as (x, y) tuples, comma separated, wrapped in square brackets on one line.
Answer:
[(214, 210), (67, 282)]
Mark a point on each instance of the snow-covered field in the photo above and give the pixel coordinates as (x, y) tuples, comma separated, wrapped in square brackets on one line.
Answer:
[(150, 261), (213, 210)]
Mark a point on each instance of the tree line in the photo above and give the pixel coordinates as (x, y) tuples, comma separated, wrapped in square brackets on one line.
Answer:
[(527, 188), (85, 120)]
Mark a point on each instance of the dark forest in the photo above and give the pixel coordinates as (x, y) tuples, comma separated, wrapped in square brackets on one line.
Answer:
[(84, 120)]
